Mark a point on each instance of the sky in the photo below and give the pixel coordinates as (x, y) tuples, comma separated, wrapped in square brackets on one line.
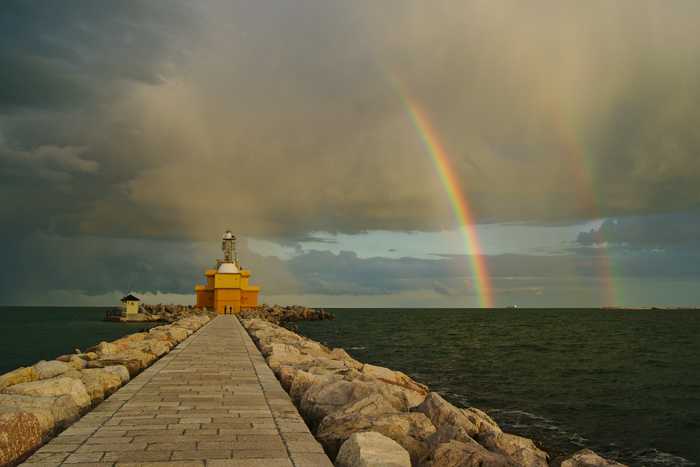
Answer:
[(134, 133)]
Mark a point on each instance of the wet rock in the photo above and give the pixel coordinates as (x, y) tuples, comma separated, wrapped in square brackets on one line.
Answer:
[(54, 387), (372, 449), (50, 369), (458, 454), (20, 375), (20, 433), (521, 450), (588, 458)]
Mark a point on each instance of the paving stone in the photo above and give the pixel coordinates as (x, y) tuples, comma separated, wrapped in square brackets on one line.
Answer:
[(212, 401), (251, 463)]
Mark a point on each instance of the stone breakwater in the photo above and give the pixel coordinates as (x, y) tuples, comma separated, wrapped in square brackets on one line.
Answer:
[(365, 415), (170, 313), (153, 313), (284, 315), (38, 402)]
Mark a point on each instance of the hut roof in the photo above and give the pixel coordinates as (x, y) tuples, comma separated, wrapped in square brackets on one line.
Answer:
[(131, 298)]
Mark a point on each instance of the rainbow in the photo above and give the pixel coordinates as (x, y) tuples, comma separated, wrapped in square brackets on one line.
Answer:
[(460, 207), (572, 147)]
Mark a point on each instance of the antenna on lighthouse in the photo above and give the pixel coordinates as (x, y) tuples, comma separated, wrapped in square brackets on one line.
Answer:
[(228, 245)]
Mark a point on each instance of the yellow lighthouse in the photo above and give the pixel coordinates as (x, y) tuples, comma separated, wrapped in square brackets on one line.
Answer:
[(227, 290)]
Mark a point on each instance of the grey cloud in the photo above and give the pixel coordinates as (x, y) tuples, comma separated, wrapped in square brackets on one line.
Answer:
[(673, 230), (284, 117), (45, 265)]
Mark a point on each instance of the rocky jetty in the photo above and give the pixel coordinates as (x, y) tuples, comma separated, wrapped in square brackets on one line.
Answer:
[(341, 398), (39, 401), (284, 315), (156, 313)]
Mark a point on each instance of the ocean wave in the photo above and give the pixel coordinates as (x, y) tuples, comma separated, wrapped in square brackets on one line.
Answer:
[(655, 457)]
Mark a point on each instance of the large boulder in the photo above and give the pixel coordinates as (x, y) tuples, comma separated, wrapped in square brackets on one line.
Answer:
[(441, 412), (521, 450), (321, 400), (128, 341), (20, 433), (63, 409), (588, 458), (50, 369), (154, 347), (287, 355), (59, 386), (20, 375), (483, 422), (303, 381), (286, 375), (410, 430), (133, 360), (446, 433), (342, 355), (372, 449), (458, 454), (415, 392), (170, 333), (120, 371), (77, 362), (42, 415), (104, 348), (98, 382)]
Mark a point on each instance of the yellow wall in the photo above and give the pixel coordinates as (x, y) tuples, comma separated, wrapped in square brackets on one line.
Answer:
[(249, 298), (205, 298), (226, 293), (227, 281), (227, 300), (130, 307)]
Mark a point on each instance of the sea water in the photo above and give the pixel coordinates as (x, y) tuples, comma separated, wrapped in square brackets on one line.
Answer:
[(30, 334), (623, 383)]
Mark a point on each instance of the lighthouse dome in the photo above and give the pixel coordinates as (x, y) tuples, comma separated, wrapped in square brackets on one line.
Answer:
[(228, 268)]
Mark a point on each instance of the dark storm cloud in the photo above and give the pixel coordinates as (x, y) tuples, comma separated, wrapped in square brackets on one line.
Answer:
[(128, 129), (63, 55), (550, 111)]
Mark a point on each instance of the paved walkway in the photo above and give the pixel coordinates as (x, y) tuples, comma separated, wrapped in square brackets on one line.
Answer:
[(211, 401)]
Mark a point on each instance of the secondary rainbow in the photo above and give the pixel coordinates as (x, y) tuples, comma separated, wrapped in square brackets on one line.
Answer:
[(458, 201)]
